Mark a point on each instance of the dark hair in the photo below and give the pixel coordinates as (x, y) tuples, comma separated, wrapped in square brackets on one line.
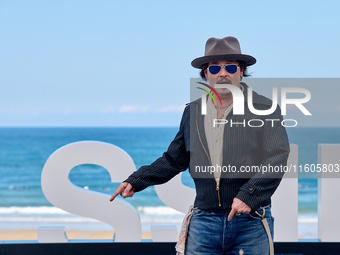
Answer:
[(241, 63)]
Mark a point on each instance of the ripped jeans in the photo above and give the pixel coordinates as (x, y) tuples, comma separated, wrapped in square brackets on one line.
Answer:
[(211, 233)]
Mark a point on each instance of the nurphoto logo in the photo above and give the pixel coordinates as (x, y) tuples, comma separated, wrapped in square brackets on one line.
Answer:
[(238, 104)]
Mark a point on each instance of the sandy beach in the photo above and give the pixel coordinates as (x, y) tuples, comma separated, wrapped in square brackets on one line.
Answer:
[(31, 234)]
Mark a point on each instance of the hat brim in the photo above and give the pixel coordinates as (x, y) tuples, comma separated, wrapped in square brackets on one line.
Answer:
[(247, 59)]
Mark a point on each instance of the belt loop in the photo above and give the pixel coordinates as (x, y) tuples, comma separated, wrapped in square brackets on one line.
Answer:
[(192, 207), (264, 212)]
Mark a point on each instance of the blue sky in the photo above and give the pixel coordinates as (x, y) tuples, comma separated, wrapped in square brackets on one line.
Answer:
[(127, 63)]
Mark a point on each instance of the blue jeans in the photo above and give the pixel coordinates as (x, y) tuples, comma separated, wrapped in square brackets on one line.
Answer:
[(211, 233)]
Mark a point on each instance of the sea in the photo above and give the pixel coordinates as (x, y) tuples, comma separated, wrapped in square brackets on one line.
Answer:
[(24, 151)]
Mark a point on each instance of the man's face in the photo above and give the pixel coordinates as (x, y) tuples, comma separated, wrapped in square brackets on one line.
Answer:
[(223, 77)]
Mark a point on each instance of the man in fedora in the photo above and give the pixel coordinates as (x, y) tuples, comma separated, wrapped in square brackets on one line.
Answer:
[(231, 213)]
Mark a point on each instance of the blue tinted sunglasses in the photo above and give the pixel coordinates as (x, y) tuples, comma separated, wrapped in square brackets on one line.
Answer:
[(230, 68)]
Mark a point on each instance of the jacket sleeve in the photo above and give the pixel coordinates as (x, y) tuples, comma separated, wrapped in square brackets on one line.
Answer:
[(171, 163), (275, 147)]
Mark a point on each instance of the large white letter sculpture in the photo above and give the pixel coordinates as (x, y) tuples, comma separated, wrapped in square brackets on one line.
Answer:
[(58, 189), (328, 193), (285, 203)]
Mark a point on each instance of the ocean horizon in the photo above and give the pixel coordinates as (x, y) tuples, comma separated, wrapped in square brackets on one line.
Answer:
[(24, 151)]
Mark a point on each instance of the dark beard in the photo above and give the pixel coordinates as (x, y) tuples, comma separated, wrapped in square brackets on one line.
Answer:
[(225, 95)]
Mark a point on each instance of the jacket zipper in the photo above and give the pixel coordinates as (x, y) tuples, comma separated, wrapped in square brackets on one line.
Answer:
[(218, 193)]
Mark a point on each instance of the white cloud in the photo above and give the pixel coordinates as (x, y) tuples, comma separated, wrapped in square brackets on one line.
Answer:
[(36, 112), (133, 108), (171, 108), (145, 108), (29, 111), (109, 109), (68, 110), (15, 111)]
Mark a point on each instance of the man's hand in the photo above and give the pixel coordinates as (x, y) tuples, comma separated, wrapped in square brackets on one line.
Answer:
[(238, 207), (125, 189)]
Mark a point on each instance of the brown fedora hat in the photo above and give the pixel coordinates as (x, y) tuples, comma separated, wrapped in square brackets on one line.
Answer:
[(227, 48)]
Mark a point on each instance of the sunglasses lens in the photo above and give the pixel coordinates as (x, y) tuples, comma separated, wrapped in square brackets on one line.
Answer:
[(231, 68), (214, 69)]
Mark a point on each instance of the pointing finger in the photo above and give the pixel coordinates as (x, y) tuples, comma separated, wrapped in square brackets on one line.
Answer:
[(120, 189)]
